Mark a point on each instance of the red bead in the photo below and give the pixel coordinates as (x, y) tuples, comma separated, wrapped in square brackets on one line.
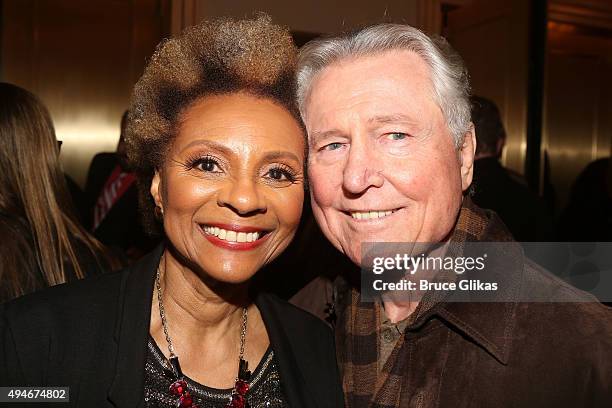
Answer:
[(185, 401), (178, 387), (238, 401), (242, 387)]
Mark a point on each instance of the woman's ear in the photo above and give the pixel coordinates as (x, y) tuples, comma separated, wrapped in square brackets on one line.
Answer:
[(156, 191)]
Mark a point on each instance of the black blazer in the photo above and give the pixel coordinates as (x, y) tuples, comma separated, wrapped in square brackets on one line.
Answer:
[(91, 335)]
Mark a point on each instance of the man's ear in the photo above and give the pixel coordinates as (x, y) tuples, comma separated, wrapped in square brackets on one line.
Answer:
[(156, 190), (466, 153)]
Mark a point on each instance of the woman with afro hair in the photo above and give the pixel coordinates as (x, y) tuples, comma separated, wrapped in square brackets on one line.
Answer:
[(216, 140)]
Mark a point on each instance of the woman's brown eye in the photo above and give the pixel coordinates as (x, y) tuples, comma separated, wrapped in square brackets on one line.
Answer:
[(280, 174), (276, 174), (207, 164)]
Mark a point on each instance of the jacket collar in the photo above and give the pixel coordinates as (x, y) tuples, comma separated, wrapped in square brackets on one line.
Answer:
[(131, 331), (488, 324)]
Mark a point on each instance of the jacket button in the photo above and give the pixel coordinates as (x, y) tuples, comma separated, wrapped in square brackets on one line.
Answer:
[(388, 335)]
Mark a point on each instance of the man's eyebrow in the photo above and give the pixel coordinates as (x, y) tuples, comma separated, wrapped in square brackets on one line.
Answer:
[(317, 135), (393, 118)]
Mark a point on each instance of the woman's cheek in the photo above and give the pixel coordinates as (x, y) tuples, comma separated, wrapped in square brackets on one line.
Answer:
[(289, 205)]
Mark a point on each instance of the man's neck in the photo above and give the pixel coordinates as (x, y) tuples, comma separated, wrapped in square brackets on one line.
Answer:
[(398, 306), (396, 311)]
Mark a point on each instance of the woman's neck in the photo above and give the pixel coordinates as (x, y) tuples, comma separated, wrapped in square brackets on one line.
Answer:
[(204, 324), (201, 310)]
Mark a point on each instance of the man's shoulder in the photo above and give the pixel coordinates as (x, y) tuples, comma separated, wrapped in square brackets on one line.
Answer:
[(305, 329), (292, 314), (563, 314), (539, 284), (315, 297)]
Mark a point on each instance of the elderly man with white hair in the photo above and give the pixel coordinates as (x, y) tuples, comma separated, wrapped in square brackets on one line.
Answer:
[(391, 160)]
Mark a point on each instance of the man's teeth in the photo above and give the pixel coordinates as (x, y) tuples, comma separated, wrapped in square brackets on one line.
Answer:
[(367, 215), (232, 236)]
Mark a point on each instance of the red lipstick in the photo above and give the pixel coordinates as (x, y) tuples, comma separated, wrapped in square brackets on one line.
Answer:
[(238, 246)]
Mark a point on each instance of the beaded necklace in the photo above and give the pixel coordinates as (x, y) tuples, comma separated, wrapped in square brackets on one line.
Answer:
[(179, 386)]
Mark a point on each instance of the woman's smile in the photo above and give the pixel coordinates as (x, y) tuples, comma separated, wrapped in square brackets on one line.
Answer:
[(235, 237)]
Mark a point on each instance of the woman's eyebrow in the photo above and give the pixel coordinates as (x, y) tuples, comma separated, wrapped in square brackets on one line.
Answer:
[(211, 144), (268, 156), (280, 154)]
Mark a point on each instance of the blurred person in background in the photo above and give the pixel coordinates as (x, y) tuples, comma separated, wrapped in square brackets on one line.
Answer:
[(499, 189), (112, 197), (588, 215), (42, 242)]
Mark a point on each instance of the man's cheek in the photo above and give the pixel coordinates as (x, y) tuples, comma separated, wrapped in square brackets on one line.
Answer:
[(322, 189)]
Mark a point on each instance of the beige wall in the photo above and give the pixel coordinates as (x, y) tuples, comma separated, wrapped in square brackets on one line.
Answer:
[(82, 59), (314, 16), (492, 36)]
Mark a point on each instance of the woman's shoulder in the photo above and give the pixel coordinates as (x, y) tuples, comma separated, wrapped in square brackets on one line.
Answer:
[(89, 298), (66, 322)]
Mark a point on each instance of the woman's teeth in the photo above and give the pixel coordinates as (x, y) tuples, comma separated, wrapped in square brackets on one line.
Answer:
[(232, 236), (366, 215)]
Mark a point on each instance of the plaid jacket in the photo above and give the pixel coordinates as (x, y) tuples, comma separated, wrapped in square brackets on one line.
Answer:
[(508, 354)]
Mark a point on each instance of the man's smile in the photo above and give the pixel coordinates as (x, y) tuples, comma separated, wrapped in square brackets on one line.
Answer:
[(370, 214)]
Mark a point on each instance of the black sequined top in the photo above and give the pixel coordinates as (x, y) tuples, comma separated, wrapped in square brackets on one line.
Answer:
[(265, 389)]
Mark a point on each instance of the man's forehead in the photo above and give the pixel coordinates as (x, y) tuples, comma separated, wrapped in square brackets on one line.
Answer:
[(403, 65), (379, 81), (372, 93)]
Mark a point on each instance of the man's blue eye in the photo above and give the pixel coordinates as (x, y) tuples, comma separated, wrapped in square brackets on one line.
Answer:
[(333, 146), (397, 136)]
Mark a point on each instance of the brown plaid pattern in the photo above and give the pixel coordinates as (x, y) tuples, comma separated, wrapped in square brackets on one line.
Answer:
[(358, 327)]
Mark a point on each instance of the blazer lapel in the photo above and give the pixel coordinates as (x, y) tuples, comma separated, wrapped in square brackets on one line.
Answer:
[(131, 332), (286, 352)]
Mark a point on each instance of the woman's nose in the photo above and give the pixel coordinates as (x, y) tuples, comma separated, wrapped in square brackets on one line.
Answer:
[(242, 196)]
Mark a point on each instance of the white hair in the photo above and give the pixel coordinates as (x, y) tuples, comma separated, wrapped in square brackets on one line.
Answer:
[(449, 76)]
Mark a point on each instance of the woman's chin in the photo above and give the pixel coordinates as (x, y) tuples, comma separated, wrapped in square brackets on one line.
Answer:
[(229, 274)]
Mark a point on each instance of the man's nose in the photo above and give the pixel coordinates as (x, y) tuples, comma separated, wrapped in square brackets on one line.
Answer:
[(362, 169), (243, 196)]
